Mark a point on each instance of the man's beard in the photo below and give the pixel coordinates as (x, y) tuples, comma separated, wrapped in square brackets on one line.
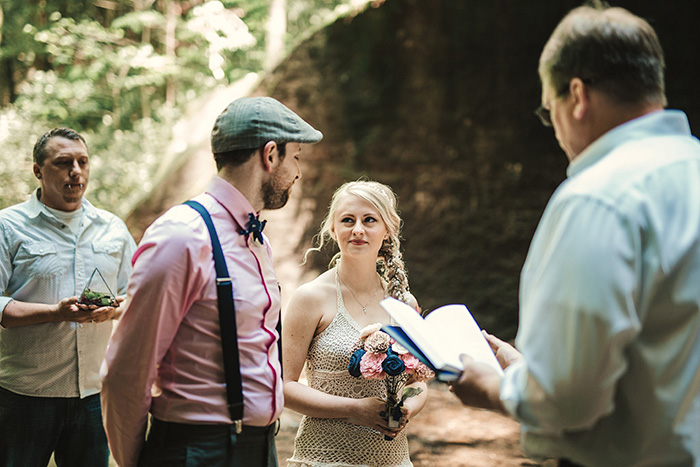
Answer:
[(275, 196)]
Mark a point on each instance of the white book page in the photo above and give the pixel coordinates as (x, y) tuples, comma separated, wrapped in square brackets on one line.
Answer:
[(420, 331), (461, 334)]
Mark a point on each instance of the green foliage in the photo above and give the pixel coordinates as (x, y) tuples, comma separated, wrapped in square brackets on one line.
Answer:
[(122, 163), (120, 77), (17, 137), (137, 21)]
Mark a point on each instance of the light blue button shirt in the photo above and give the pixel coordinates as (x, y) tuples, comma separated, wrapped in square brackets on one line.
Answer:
[(610, 305), (43, 261)]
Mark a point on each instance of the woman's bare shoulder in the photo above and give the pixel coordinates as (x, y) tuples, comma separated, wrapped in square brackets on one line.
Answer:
[(315, 292)]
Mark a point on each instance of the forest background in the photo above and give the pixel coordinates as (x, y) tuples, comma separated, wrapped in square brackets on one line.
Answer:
[(122, 72), (433, 97)]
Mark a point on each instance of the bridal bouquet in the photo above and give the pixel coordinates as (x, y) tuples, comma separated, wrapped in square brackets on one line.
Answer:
[(378, 356)]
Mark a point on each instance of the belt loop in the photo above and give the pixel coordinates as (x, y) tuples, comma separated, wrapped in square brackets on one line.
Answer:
[(278, 424)]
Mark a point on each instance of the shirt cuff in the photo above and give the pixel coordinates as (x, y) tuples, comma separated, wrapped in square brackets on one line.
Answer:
[(511, 387), (3, 303)]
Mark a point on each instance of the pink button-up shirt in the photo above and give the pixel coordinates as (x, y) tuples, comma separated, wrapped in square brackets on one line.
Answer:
[(165, 355)]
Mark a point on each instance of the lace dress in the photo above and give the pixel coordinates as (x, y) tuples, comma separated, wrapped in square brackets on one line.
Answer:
[(328, 442)]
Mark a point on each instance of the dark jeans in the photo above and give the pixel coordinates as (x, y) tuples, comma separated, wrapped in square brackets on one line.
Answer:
[(31, 428), (171, 444)]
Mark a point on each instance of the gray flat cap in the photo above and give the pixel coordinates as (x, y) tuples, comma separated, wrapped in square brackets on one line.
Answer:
[(250, 122)]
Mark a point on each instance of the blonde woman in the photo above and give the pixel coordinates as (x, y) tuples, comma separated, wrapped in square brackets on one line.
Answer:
[(344, 423)]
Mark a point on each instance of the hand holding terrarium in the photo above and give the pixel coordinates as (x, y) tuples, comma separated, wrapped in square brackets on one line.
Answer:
[(96, 296), (97, 292)]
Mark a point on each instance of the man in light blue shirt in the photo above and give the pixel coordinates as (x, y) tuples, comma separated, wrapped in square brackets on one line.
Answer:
[(607, 367), (51, 346)]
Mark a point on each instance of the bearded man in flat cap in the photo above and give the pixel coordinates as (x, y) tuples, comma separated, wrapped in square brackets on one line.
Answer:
[(168, 356)]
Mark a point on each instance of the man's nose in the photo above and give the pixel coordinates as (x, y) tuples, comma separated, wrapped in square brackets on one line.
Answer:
[(75, 170)]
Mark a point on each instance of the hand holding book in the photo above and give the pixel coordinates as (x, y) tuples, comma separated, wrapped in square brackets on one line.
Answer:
[(506, 354)]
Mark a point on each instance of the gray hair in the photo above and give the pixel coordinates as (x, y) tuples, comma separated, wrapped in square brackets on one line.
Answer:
[(610, 49)]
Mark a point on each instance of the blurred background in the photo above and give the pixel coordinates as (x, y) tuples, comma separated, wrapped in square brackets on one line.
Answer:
[(433, 97)]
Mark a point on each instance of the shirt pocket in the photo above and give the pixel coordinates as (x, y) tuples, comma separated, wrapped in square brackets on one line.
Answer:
[(108, 257), (40, 258)]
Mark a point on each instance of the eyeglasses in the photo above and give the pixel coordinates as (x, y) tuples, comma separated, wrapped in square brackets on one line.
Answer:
[(544, 116)]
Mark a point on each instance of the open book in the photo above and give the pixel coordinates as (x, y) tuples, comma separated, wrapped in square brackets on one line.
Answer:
[(440, 338)]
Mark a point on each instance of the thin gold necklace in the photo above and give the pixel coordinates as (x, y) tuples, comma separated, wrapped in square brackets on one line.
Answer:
[(364, 307)]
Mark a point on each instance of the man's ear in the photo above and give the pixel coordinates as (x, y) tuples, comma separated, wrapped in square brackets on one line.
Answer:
[(270, 156), (579, 92), (37, 171)]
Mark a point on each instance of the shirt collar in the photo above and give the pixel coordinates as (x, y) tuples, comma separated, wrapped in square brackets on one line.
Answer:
[(657, 123), (231, 199), (35, 208)]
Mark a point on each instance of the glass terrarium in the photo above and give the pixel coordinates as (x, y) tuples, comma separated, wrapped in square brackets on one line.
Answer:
[(97, 292)]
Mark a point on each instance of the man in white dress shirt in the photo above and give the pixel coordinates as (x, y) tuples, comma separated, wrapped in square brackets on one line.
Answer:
[(606, 371), (51, 347)]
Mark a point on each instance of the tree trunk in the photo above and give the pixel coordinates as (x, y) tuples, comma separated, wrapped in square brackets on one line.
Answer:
[(172, 10), (276, 29), (5, 70)]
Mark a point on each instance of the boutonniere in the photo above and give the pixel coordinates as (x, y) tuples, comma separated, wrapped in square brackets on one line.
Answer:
[(255, 227)]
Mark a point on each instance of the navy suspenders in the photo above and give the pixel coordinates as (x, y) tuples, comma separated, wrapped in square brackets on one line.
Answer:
[(227, 320)]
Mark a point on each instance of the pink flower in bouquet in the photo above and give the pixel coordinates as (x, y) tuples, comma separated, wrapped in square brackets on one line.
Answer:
[(410, 361), (422, 373), (371, 365), (377, 342)]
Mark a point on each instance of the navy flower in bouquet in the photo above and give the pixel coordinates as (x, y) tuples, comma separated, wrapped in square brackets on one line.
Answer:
[(354, 366), (392, 364)]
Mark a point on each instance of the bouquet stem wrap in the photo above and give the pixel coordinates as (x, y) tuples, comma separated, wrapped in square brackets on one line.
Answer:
[(394, 400)]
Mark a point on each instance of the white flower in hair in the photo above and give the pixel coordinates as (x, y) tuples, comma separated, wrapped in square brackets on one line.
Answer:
[(384, 194)]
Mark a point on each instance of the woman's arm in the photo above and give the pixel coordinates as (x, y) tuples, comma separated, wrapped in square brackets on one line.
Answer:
[(416, 403)]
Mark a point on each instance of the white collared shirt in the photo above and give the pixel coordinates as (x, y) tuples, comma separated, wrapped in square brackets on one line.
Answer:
[(43, 261), (610, 305)]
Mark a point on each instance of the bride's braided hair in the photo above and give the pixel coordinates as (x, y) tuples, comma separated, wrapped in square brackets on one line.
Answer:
[(393, 270), (390, 265)]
